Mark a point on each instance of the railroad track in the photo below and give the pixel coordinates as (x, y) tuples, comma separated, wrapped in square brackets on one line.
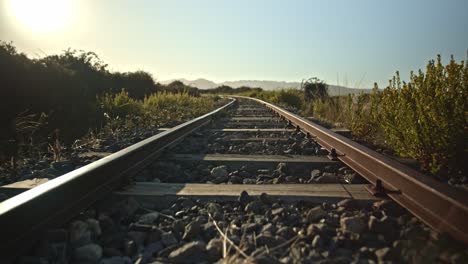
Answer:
[(298, 181)]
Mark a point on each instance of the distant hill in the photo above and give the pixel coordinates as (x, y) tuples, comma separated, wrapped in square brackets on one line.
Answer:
[(266, 85)]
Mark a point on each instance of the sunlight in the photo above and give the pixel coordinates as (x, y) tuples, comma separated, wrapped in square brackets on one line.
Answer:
[(41, 16)]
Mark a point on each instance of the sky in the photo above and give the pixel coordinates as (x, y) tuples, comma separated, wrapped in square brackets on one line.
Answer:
[(351, 43)]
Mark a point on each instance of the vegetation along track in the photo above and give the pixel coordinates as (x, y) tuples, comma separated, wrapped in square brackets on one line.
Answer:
[(249, 181)]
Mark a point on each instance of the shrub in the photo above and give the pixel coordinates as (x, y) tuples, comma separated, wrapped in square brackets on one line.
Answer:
[(119, 105), (426, 118)]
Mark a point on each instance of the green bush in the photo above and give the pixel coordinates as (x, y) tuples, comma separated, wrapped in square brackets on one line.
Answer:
[(427, 117), (289, 98)]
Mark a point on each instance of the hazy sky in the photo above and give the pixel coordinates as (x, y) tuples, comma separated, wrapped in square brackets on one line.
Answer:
[(232, 40)]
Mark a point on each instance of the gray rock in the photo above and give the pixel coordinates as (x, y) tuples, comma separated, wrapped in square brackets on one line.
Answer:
[(286, 232), (130, 248), (384, 254), (63, 166), (347, 203), (152, 249), (168, 239), (149, 219), (191, 230), (277, 211), (235, 179), (314, 174), (390, 207), (90, 253), (220, 179), (128, 207), (214, 208), (190, 252), (266, 259), (250, 227), (215, 248), (265, 239), (138, 237), (249, 181), (384, 226), (354, 224), (116, 260), (254, 207), (282, 167), (94, 227), (315, 214), (220, 171), (327, 177), (79, 233)]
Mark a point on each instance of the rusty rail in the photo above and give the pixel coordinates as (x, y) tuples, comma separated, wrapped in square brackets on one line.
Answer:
[(25, 216), (443, 208)]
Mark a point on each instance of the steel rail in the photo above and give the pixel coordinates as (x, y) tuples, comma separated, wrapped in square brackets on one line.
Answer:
[(25, 216), (443, 208)]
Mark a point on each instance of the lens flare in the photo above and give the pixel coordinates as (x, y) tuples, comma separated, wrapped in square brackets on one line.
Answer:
[(41, 16)]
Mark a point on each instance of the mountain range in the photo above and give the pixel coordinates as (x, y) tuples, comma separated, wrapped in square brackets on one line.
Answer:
[(265, 85)]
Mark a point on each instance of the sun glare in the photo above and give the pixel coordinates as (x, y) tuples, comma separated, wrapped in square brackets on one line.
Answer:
[(41, 16)]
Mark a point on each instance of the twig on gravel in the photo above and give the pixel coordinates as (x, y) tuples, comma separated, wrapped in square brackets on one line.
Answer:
[(247, 257)]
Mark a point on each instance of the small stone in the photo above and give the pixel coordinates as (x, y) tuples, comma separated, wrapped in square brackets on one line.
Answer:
[(282, 167), (254, 207), (111, 252), (285, 232), (235, 179), (128, 207), (192, 252), (265, 198), (215, 248), (354, 224), (214, 208), (89, 253), (220, 171), (250, 227), (277, 211), (137, 237), (63, 166), (152, 249), (384, 226), (266, 259), (168, 239), (315, 214), (79, 233), (265, 239), (94, 227), (384, 254), (191, 230), (390, 207), (116, 260), (327, 177), (220, 179), (314, 174), (149, 219), (291, 179), (249, 181), (130, 248), (347, 203)]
